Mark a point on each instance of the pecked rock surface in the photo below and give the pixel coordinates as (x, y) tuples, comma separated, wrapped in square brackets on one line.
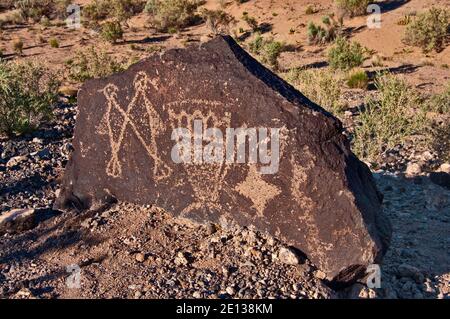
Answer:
[(318, 196)]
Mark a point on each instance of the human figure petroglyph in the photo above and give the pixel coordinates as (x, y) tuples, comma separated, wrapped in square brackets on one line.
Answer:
[(118, 119)]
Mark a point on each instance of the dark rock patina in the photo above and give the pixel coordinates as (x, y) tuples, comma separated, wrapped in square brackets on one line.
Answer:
[(322, 199)]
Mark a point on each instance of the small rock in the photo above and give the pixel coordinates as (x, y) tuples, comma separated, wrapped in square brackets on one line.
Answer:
[(140, 257), (17, 220), (444, 168), (288, 256), (413, 169), (16, 160), (196, 295), (210, 229), (320, 275), (181, 260), (230, 290)]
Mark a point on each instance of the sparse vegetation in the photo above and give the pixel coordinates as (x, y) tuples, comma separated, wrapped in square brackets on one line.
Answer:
[(112, 31), (172, 14), (405, 20), (430, 30), (92, 63), (353, 7), (251, 21), (36, 9), (28, 92), (116, 10), (268, 49), (310, 10), (217, 20), (18, 46), (318, 34), (319, 85), (440, 103), (358, 79), (345, 55), (390, 119), (53, 42)]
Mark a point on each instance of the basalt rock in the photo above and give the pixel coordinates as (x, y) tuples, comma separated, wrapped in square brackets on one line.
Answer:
[(161, 133)]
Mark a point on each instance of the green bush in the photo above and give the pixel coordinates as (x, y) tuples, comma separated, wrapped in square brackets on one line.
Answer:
[(172, 14), (310, 10), (390, 119), (353, 7), (112, 31), (321, 86), (440, 103), (36, 9), (430, 30), (28, 92), (322, 34), (358, 80), (268, 50), (18, 46), (251, 21), (53, 43), (118, 10), (217, 20), (91, 63), (345, 55), (96, 11)]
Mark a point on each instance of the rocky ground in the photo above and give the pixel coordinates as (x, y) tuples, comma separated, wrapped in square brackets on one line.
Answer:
[(142, 252)]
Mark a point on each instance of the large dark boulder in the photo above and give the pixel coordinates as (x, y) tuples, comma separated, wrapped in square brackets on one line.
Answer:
[(320, 198)]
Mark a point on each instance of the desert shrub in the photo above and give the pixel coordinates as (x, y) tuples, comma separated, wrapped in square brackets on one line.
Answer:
[(353, 7), (268, 49), (112, 31), (256, 44), (310, 10), (123, 10), (440, 103), (172, 14), (318, 34), (405, 20), (217, 20), (430, 30), (28, 92), (358, 79), (321, 86), (18, 46), (251, 21), (14, 17), (390, 119), (440, 140), (118, 10), (53, 43), (96, 11), (6, 4), (271, 51), (91, 63), (345, 55), (36, 9)]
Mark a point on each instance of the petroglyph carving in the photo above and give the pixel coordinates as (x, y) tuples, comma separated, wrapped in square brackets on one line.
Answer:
[(118, 119), (206, 179), (257, 190)]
